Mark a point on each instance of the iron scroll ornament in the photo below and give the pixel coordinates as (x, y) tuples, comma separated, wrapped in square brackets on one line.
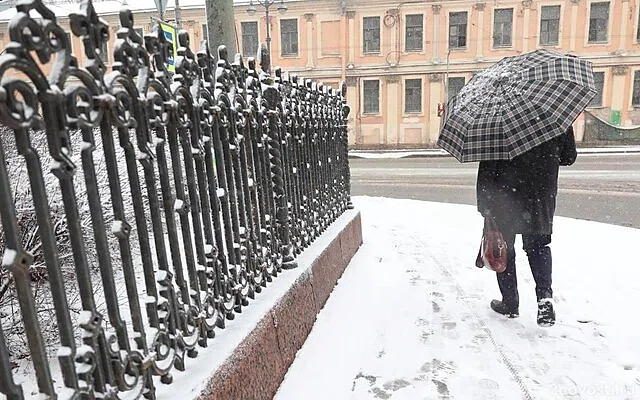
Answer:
[(218, 176)]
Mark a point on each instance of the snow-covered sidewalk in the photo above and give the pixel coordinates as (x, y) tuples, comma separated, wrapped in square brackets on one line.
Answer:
[(409, 319)]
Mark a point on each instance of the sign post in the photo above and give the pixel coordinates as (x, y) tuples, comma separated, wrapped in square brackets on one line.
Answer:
[(161, 6), (171, 35)]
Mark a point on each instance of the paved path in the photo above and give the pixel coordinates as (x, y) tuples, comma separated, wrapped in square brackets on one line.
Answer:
[(410, 318)]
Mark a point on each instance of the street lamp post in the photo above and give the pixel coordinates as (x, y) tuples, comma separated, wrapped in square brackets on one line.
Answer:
[(266, 4)]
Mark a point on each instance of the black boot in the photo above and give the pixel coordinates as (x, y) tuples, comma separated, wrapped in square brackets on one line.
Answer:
[(509, 310), (546, 314)]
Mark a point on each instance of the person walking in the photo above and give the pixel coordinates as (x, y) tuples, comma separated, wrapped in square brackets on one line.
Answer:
[(520, 195)]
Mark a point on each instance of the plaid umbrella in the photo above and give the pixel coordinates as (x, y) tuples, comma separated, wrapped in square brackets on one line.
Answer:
[(515, 105)]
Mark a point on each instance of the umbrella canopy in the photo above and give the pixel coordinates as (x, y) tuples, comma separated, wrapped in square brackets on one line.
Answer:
[(515, 105)]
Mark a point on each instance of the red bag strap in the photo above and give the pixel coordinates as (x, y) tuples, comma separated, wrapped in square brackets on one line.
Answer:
[(490, 224)]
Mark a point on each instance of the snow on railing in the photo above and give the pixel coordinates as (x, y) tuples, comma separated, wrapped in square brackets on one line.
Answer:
[(141, 209)]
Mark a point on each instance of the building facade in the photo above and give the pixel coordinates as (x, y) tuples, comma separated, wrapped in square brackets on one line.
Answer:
[(402, 59)]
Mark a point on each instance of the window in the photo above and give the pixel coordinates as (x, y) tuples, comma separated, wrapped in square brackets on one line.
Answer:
[(69, 42), (454, 85), (549, 25), (502, 27), (599, 22), (289, 37), (205, 33), (635, 99), (413, 95), (104, 52), (414, 32), (638, 32), (371, 97), (371, 34), (599, 79), (249, 38), (458, 30)]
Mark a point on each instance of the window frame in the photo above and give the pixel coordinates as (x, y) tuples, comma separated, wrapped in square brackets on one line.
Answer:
[(602, 92), (636, 73), (364, 36), (69, 36), (106, 59), (637, 26), (257, 37), (295, 35), (449, 78), (590, 19), (405, 88), (420, 46), (205, 31), (466, 30), (512, 26), (364, 97), (558, 39)]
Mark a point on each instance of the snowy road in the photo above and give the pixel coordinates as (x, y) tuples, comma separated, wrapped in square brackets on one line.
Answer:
[(604, 188), (410, 318)]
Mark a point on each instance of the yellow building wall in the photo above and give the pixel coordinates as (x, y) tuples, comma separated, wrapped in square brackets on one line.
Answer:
[(330, 50)]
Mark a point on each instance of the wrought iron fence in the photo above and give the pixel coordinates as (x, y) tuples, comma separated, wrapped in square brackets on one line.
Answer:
[(231, 173)]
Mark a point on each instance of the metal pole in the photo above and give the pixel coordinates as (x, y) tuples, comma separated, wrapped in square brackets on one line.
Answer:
[(267, 4), (178, 15)]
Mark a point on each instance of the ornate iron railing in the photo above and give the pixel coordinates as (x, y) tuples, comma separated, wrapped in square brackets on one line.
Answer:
[(230, 172)]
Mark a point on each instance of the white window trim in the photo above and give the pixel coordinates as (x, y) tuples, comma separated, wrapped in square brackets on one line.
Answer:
[(469, 12), (361, 34), (631, 106), (513, 27), (108, 61), (560, 27), (71, 35), (467, 78), (404, 32), (636, 22), (379, 113), (404, 95), (609, 24), (241, 38), (291, 56)]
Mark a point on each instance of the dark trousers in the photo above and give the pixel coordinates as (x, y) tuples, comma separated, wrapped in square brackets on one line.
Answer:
[(539, 255)]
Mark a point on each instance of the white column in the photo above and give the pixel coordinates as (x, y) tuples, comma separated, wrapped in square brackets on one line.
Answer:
[(393, 109), (436, 32), (574, 25), (352, 36), (352, 99), (310, 58), (435, 97), (480, 36), (623, 25), (526, 4), (618, 88)]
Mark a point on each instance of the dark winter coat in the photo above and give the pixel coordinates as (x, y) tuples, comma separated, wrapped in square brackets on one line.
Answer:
[(521, 193)]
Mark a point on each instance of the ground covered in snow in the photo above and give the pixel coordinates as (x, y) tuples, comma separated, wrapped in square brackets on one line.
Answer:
[(409, 319)]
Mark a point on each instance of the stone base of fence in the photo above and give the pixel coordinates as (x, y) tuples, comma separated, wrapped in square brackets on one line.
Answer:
[(256, 367)]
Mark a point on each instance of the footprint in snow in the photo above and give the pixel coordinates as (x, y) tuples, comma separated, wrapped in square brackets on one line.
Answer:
[(395, 385), (487, 389), (442, 388)]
